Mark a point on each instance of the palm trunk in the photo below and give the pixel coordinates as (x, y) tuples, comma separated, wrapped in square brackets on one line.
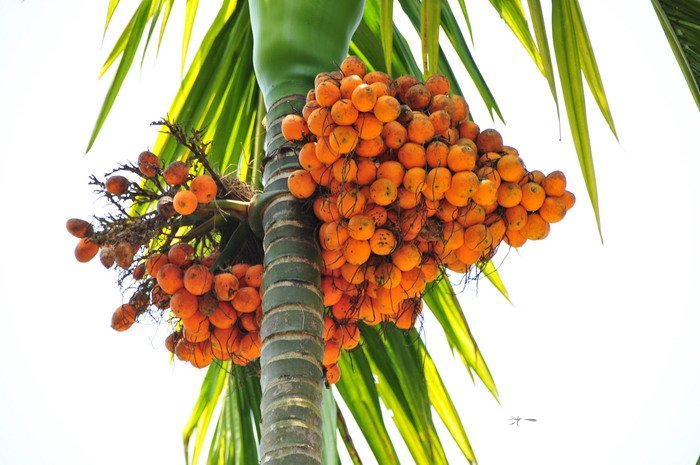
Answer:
[(294, 40), (292, 325)]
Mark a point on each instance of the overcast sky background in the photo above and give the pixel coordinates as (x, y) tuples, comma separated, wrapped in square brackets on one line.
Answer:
[(600, 344)]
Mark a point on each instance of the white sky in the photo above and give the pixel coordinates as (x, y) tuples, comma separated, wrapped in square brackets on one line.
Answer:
[(600, 345)]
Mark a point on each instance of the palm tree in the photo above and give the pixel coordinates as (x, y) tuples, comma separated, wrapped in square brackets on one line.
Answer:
[(255, 63)]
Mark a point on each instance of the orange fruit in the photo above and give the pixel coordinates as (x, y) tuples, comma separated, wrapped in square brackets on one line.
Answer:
[(391, 170), (86, 250), (148, 163), (348, 84), (461, 158), (294, 127), (204, 187), (225, 286), (411, 155), (383, 191), (437, 182), (516, 217), (438, 84), (368, 126), (387, 108), (246, 300), (382, 242), (123, 317), (344, 112), (394, 134), (533, 196), (462, 187), (353, 65), (356, 251), (569, 199), (343, 139), (387, 275), (79, 228), (436, 154), (469, 130), (536, 228), (307, 157), (514, 238), (331, 353), (510, 168), (414, 180), (185, 202), (370, 148), (198, 279), (553, 209), (554, 184), (420, 129), (489, 140), (183, 303), (351, 201), (361, 227), (366, 171), (320, 122), (301, 184), (406, 257), (170, 278), (509, 194), (327, 93), (363, 97), (117, 185), (477, 237), (332, 373), (418, 97), (181, 254), (486, 193)]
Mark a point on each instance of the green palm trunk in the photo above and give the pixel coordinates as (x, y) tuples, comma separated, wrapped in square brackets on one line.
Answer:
[(293, 41)]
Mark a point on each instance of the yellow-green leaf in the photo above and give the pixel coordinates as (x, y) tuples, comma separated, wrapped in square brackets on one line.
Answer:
[(489, 269), (566, 50), (429, 33), (386, 28), (514, 16), (588, 63), (134, 38), (212, 387), (537, 19), (190, 13), (441, 401), (358, 389), (442, 301), (110, 11)]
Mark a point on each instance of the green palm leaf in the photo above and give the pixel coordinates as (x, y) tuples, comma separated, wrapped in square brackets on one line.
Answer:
[(130, 45), (358, 390), (443, 303), (511, 11), (567, 52), (680, 20), (212, 386), (330, 417)]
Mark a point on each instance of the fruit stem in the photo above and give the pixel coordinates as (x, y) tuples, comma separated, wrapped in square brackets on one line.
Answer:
[(236, 208)]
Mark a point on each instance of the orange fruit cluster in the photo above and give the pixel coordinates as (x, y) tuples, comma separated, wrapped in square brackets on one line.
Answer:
[(405, 185), (216, 316)]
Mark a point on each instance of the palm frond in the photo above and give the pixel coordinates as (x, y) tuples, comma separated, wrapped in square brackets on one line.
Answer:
[(680, 20), (568, 53), (443, 303)]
